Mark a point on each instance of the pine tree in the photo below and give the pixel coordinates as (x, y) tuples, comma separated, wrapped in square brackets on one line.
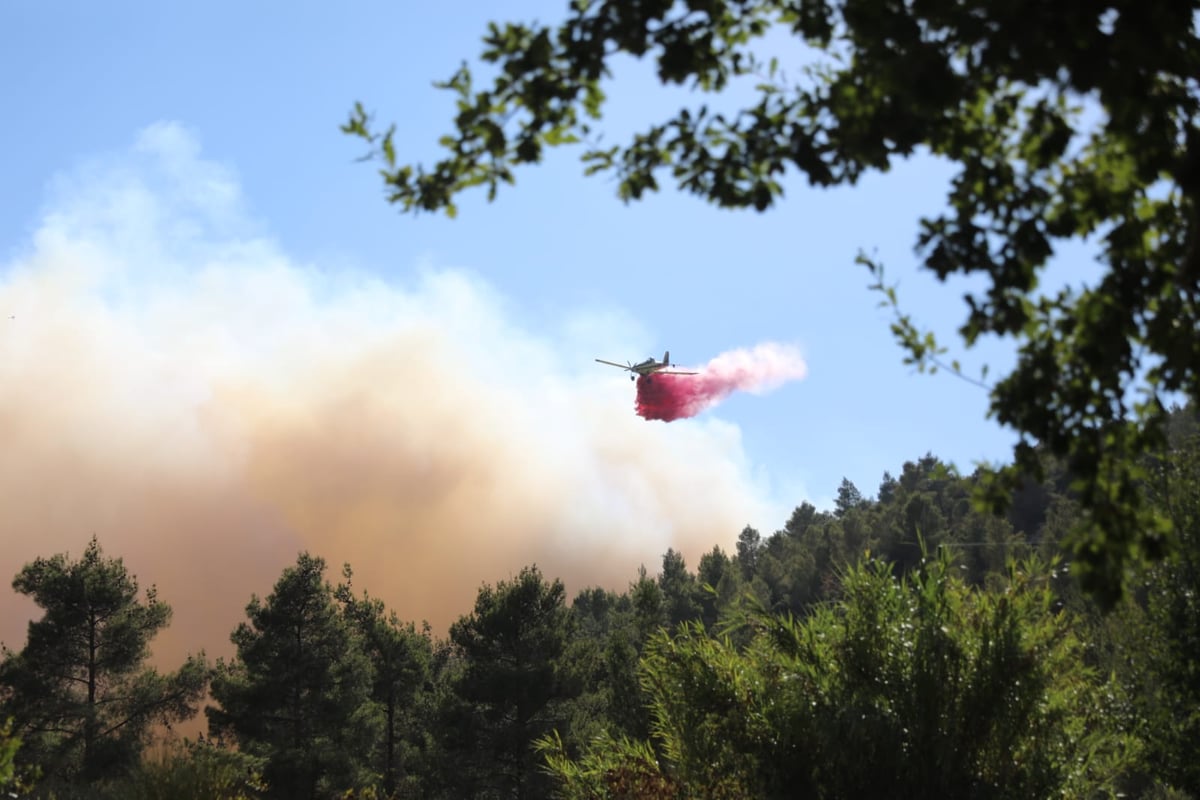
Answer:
[(298, 693), (82, 696)]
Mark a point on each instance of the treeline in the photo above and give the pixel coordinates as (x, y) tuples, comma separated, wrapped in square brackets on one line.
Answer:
[(900, 645)]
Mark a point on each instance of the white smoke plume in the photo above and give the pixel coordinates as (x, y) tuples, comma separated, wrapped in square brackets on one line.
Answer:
[(173, 383)]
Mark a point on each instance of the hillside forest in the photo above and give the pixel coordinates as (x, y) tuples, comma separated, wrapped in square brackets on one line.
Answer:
[(904, 643)]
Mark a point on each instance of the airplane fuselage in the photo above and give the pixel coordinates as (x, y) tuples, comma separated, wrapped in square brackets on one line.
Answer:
[(648, 366)]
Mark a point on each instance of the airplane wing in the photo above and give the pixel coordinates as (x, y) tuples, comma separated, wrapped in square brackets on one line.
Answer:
[(613, 363), (674, 372)]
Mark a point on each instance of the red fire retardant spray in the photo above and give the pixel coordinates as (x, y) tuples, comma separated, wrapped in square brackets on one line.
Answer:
[(757, 370)]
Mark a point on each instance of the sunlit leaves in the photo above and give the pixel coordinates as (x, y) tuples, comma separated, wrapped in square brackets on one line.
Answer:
[(910, 688)]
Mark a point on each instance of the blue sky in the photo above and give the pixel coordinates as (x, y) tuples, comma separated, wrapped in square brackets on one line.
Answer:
[(254, 93)]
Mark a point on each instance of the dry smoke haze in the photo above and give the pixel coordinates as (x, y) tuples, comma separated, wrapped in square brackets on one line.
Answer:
[(173, 383), (670, 397)]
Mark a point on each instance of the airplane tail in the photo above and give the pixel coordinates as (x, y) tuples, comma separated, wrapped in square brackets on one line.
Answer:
[(667, 358)]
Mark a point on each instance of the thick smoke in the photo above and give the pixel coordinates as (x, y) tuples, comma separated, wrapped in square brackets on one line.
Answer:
[(172, 382), (670, 397)]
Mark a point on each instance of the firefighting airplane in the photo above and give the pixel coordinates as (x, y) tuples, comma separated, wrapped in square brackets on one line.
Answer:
[(648, 367)]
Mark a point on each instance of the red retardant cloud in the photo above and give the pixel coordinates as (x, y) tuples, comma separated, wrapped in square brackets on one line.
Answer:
[(671, 397)]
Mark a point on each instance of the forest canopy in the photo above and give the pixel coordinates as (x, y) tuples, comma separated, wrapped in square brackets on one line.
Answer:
[(903, 642)]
